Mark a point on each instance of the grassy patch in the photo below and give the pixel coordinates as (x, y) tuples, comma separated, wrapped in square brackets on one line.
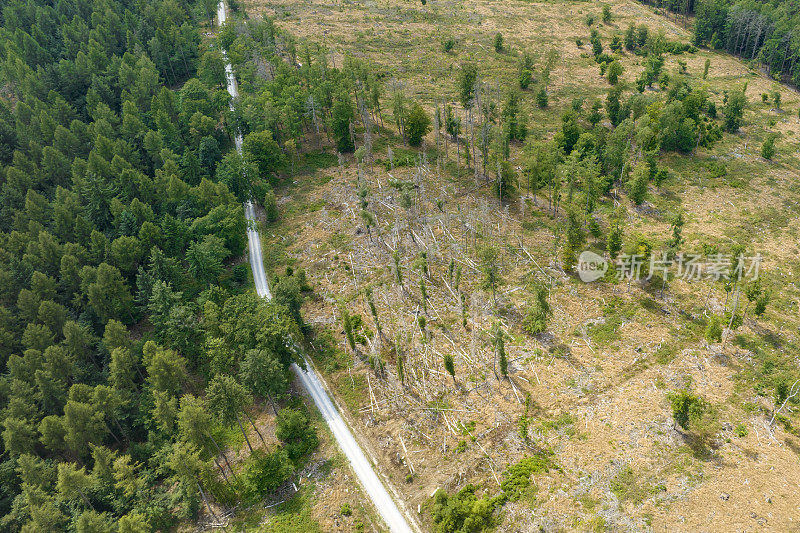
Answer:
[(517, 483), (616, 311), (627, 486), (564, 423), (352, 390), (665, 353), (294, 516), (320, 160)]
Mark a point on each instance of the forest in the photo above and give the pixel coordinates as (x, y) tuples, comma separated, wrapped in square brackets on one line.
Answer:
[(130, 341), (766, 31)]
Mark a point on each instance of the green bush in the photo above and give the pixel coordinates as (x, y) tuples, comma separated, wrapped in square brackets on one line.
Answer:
[(525, 78), (535, 320), (498, 42), (296, 432), (265, 472), (768, 148), (687, 408), (418, 123), (463, 512), (614, 72), (607, 14), (270, 206), (541, 98), (518, 476), (713, 330)]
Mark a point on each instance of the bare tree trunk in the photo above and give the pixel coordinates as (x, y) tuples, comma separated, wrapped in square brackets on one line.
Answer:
[(244, 433), (256, 428), (222, 471), (205, 500), (224, 457)]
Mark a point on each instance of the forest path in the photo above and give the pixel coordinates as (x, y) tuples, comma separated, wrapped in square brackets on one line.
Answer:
[(355, 455)]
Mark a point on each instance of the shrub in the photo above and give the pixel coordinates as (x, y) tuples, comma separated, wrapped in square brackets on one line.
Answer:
[(296, 432), (597, 46), (734, 111), (686, 407), (448, 44), (713, 330), (462, 512), (265, 472), (418, 123), (525, 78), (541, 97), (535, 320), (761, 304), (614, 72), (616, 43), (270, 206), (607, 14), (768, 148), (518, 476), (498, 42)]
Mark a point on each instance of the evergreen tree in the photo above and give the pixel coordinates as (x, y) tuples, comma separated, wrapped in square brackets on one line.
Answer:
[(450, 367), (418, 124), (614, 72), (734, 110), (638, 183), (227, 400), (342, 116)]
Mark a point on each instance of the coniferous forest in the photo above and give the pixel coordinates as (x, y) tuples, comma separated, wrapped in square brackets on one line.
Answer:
[(130, 343)]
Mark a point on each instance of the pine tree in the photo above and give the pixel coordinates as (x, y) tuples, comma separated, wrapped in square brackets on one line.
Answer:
[(638, 183), (500, 349), (614, 240), (348, 328), (450, 367), (342, 116)]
